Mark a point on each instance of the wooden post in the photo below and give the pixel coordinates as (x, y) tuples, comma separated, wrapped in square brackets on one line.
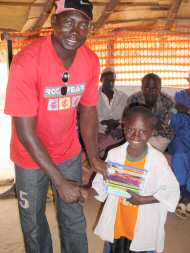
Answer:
[(6, 36)]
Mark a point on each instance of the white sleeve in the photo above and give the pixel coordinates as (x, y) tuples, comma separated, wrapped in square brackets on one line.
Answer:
[(169, 192), (98, 184)]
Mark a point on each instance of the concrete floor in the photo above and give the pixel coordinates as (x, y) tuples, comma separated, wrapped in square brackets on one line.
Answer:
[(177, 230)]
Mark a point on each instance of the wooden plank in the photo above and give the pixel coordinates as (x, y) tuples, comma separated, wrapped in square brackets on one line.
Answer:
[(3, 29), (136, 20), (110, 6), (44, 15), (21, 4), (173, 13), (135, 4)]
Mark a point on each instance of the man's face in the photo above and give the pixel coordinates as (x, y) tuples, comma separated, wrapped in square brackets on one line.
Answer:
[(151, 90), (108, 81), (70, 29)]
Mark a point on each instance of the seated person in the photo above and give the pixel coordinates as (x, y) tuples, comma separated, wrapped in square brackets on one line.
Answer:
[(179, 148), (160, 104), (110, 108)]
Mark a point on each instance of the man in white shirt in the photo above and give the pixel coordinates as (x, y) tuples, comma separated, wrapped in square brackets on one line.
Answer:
[(110, 108)]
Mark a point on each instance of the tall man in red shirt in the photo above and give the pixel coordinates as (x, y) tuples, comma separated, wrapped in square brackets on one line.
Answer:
[(48, 81)]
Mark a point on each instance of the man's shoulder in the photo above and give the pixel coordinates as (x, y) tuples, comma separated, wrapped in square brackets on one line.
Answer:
[(137, 94), (120, 92), (181, 93), (100, 89), (31, 50), (166, 97), (136, 97)]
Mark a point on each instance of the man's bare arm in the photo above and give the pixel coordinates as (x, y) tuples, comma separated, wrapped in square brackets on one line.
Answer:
[(89, 132)]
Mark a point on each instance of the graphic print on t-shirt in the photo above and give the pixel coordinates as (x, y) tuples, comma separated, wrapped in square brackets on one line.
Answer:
[(57, 101)]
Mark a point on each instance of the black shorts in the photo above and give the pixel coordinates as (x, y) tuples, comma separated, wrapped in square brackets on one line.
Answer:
[(122, 245)]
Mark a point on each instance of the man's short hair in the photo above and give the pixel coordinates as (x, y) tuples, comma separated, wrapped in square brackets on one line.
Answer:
[(107, 71), (151, 76)]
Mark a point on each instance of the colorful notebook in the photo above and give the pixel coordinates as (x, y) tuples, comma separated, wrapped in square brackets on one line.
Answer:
[(122, 178)]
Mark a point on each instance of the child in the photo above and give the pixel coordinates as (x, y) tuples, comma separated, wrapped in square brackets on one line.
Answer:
[(179, 149), (137, 224)]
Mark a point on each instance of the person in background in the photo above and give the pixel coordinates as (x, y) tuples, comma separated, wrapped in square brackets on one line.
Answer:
[(110, 108), (48, 81), (179, 149), (160, 104), (136, 224), (182, 99)]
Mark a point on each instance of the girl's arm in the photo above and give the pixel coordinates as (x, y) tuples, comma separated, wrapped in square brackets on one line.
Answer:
[(136, 199)]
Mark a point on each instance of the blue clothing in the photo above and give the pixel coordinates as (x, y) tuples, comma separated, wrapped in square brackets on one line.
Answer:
[(182, 97), (179, 148), (107, 247), (180, 123)]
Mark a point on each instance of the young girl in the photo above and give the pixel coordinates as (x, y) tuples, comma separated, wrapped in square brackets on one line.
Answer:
[(137, 224)]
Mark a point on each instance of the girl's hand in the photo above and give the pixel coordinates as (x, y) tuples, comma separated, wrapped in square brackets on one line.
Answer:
[(135, 199)]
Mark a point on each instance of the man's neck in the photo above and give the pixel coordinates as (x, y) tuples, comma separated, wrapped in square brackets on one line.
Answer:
[(108, 93)]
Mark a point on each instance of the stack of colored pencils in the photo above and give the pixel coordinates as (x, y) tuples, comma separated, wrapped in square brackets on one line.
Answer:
[(122, 178)]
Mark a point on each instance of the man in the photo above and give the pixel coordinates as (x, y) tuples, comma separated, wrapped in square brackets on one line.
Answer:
[(46, 84), (160, 104), (110, 108)]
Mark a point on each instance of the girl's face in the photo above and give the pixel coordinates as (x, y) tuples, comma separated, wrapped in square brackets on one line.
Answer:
[(138, 129)]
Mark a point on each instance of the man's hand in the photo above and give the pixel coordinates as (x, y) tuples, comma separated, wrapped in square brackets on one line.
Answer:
[(99, 166), (69, 191), (86, 172), (85, 191), (117, 133), (111, 123)]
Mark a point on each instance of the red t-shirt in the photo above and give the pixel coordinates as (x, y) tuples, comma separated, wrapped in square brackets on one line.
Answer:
[(34, 89)]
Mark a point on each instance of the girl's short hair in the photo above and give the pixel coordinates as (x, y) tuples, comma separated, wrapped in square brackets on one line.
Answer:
[(137, 108)]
